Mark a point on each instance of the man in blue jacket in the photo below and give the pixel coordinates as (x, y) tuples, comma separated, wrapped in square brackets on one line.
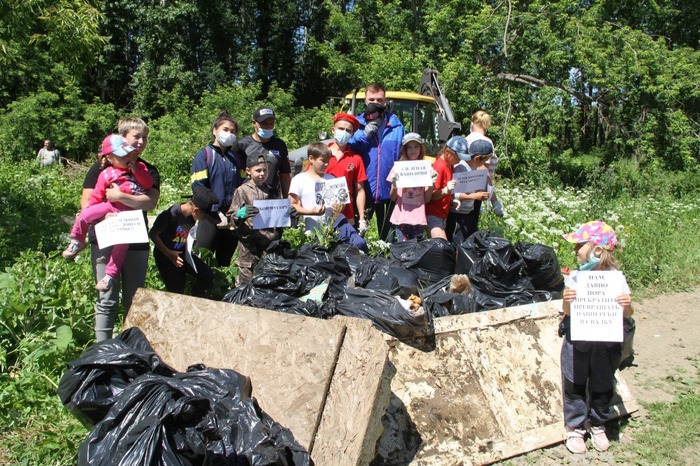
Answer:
[(379, 145)]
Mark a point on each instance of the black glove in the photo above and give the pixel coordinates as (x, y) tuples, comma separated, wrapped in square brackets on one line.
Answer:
[(251, 211), (293, 214)]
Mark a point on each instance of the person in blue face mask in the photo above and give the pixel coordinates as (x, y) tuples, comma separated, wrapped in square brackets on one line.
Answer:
[(279, 173)]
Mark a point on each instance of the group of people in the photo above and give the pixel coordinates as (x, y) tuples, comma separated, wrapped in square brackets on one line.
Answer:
[(229, 175)]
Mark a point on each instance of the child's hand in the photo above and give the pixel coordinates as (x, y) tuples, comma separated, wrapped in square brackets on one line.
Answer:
[(175, 258), (319, 209), (624, 300), (451, 185), (569, 294), (482, 195)]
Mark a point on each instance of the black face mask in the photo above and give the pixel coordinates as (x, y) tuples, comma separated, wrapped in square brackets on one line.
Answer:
[(374, 112)]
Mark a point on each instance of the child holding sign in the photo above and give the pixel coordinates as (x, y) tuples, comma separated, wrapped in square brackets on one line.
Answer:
[(251, 242), (132, 177), (588, 367), (408, 216)]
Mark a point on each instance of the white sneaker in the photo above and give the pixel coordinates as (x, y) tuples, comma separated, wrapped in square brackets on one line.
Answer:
[(575, 441), (598, 438)]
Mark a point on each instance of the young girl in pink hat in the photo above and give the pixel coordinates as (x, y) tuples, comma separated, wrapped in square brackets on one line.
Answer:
[(588, 367)]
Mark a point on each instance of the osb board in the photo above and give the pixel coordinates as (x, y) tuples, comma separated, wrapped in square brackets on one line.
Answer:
[(489, 390), (290, 359), (358, 396)]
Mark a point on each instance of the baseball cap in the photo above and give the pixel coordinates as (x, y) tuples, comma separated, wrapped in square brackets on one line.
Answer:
[(480, 147), (347, 117), (597, 232), (116, 145), (460, 146), (408, 137), (255, 155), (263, 113), (206, 200)]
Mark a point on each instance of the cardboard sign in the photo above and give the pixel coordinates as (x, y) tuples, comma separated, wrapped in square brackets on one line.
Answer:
[(273, 213), (595, 315), (127, 227), (471, 182), (413, 173), (332, 191)]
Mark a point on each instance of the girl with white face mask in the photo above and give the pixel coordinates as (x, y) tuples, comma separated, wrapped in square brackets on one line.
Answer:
[(219, 168)]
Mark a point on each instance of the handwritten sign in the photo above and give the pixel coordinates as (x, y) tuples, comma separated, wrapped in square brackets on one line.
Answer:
[(471, 182), (595, 315), (413, 173), (273, 213), (332, 191), (126, 227)]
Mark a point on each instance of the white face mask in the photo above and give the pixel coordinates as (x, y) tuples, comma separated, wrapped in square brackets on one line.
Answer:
[(226, 139), (341, 136)]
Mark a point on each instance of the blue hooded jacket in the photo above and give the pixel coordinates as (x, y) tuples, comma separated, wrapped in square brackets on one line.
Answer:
[(379, 153)]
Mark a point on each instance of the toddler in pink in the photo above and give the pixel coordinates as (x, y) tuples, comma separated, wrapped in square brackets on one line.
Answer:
[(132, 177)]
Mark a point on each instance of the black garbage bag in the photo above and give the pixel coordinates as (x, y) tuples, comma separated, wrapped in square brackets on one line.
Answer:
[(385, 311), (431, 259), (201, 417), (315, 264), (292, 285), (249, 295), (95, 380), (443, 304), (499, 273), (541, 266), (352, 254), (278, 258), (375, 275), (475, 247)]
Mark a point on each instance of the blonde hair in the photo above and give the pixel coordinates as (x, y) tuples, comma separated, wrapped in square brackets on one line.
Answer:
[(607, 260), (127, 124), (404, 156), (482, 119), (319, 149)]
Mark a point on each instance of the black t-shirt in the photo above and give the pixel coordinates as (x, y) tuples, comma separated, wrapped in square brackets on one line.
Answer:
[(90, 182), (278, 156), (173, 227)]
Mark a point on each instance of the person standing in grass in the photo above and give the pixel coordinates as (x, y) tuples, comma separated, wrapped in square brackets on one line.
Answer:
[(588, 367)]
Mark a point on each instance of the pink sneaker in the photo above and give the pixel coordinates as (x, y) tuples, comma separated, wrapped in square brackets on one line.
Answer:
[(105, 284), (598, 438), (575, 441)]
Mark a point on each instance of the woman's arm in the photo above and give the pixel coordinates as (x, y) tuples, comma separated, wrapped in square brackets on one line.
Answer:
[(146, 202)]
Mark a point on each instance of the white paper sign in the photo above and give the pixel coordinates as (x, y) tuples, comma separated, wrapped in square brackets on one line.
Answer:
[(595, 315), (191, 238), (125, 227), (413, 173), (274, 213), (471, 182), (332, 192)]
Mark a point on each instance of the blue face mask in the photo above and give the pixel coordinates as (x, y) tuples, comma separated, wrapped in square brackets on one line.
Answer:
[(265, 133), (590, 264), (341, 136)]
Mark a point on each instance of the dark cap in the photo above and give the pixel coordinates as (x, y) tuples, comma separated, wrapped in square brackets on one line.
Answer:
[(263, 113), (255, 154), (203, 198)]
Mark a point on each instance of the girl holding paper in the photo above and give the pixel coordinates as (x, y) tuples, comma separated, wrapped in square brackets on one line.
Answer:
[(132, 177), (408, 216), (588, 367)]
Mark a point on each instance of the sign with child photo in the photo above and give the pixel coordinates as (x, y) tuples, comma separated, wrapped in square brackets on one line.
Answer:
[(272, 213), (127, 227), (332, 191), (413, 173), (595, 314), (471, 182)]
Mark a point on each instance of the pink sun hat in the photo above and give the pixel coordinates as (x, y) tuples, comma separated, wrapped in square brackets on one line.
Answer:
[(597, 232)]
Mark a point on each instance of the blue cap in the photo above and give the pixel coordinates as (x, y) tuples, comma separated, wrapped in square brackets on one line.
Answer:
[(480, 147), (460, 146)]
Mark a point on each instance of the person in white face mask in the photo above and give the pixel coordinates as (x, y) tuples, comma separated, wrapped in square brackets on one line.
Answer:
[(347, 163), (279, 175), (219, 168)]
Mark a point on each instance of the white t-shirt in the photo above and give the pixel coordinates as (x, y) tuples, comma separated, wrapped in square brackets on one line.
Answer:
[(308, 189)]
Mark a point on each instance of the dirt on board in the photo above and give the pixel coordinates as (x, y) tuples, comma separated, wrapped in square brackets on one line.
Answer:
[(665, 343)]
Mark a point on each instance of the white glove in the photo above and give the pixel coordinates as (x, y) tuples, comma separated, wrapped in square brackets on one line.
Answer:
[(395, 181), (433, 175), (456, 203), (497, 208), (362, 227), (371, 129), (223, 223), (451, 185)]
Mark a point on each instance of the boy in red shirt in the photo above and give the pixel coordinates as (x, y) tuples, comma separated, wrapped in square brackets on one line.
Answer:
[(437, 209)]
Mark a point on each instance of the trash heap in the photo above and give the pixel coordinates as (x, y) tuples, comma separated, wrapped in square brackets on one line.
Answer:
[(402, 294), (142, 411)]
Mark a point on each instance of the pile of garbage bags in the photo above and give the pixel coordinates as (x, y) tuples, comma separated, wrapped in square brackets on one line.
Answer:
[(320, 282), (143, 412)]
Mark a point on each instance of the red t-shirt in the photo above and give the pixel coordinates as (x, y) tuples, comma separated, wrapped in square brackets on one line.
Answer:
[(440, 207), (350, 166)]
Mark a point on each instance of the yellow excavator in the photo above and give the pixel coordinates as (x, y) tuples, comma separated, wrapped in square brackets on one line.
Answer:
[(427, 113)]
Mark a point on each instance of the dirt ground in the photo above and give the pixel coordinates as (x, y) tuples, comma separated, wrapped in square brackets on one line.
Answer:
[(666, 341)]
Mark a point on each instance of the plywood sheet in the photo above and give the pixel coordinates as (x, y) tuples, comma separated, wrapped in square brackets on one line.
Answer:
[(290, 359), (490, 389)]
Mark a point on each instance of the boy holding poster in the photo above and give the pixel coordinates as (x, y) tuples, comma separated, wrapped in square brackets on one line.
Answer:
[(588, 367), (408, 216), (252, 242)]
